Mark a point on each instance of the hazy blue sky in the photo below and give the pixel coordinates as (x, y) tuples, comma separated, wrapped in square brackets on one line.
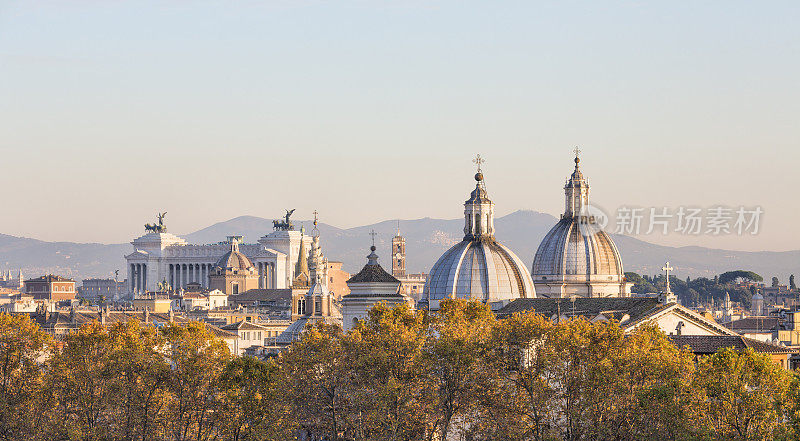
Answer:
[(369, 110)]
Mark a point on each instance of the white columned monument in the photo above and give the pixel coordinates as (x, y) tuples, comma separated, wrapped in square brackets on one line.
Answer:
[(159, 256)]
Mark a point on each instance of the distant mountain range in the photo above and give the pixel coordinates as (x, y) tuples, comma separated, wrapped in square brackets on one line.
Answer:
[(426, 240)]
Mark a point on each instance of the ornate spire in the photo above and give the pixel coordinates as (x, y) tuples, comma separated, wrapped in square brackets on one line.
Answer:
[(316, 260), (315, 230), (302, 260), (478, 209)]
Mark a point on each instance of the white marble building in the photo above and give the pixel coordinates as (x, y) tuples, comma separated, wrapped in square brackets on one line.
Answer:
[(162, 256)]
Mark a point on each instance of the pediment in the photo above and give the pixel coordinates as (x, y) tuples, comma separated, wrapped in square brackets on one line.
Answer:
[(138, 254)]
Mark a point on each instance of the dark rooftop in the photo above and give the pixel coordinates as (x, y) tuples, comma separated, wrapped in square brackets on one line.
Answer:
[(754, 324), (612, 308), (709, 344)]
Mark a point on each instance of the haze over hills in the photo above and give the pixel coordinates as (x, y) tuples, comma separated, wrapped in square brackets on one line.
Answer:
[(426, 240)]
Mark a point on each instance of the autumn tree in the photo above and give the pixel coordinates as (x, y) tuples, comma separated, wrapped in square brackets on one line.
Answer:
[(316, 378), (251, 405), (745, 396), (197, 359), (142, 375), (385, 353), (579, 380), (23, 348), (518, 398), (640, 386), (80, 380), (454, 361)]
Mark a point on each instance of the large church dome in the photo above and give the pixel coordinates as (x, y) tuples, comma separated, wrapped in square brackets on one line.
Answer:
[(576, 247), (478, 267), (577, 257)]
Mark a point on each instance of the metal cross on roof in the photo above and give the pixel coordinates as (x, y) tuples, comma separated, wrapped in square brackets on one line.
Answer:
[(373, 234), (577, 151), (316, 217), (478, 160), (667, 268)]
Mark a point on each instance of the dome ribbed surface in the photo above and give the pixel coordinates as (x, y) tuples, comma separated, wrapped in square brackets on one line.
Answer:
[(575, 248), (479, 269)]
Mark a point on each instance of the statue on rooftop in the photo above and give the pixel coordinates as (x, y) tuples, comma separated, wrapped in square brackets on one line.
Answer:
[(286, 224), (157, 228)]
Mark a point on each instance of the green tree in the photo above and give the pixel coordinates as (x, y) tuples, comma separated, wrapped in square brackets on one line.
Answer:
[(745, 396), (640, 284), (733, 276)]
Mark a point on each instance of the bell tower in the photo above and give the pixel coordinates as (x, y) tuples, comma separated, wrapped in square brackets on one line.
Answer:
[(398, 254)]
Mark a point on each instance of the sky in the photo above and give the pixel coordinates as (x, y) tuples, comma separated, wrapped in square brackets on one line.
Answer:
[(111, 111)]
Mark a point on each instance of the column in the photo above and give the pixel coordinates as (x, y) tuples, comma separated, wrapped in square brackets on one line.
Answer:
[(271, 275), (144, 277), (130, 278)]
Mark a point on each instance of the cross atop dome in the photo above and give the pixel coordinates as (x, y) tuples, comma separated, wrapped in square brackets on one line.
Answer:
[(478, 160), (372, 259)]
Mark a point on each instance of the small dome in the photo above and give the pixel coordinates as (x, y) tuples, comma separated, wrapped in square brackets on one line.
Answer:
[(576, 247), (234, 260), (479, 269)]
